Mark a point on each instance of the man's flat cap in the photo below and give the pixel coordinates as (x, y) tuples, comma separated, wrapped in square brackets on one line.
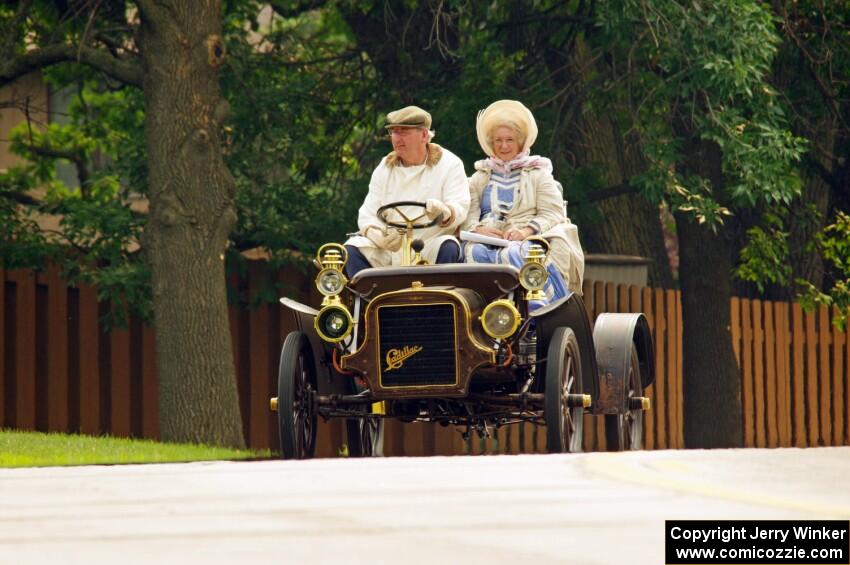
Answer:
[(409, 117)]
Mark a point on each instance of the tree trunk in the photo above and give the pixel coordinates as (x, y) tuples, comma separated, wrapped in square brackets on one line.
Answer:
[(711, 379), (191, 215)]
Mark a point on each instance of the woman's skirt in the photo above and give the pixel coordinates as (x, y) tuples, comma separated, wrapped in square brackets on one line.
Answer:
[(514, 254)]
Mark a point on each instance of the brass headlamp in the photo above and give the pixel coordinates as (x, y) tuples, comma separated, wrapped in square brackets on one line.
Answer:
[(333, 323), (331, 280), (500, 319), (533, 275)]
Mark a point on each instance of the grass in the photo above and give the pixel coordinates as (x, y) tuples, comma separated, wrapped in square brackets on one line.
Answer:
[(36, 449)]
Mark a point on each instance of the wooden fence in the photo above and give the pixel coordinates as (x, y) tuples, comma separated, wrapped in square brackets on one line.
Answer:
[(61, 371)]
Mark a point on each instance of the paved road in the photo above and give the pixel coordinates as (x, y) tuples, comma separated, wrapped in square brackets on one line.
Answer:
[(588, 508)]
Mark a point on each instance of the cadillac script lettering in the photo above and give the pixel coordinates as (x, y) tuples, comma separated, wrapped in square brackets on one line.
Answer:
[(397, 357)]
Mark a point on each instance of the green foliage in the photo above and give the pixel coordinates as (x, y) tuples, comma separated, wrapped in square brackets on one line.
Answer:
[(700, 70), (303, 122), (22, 242), (97, 237), (834, 244), (765, 258), (309, 87)]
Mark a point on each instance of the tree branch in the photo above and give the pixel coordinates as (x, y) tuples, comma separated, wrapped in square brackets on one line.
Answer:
[(286, 10), (19, 197), (114, 45), (520, 22), (124, 71), (76, 157)]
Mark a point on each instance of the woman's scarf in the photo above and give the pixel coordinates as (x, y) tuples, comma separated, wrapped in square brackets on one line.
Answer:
[(521, 161)]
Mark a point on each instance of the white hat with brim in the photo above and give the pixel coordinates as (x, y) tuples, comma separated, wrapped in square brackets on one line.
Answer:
[(503, 112)]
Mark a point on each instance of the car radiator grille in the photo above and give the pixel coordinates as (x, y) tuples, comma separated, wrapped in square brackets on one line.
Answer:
[(417, 345)]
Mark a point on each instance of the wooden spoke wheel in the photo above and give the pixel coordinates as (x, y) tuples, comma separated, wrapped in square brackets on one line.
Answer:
[(624, 432), (296, 388), (564, 423)]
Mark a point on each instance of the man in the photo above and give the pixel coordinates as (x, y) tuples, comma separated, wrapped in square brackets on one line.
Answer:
[(416, 170)]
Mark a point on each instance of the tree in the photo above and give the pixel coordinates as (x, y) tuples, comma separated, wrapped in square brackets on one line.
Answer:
[(719, 145), (794, 250), (175, 60), (301, 120), (192, 212)]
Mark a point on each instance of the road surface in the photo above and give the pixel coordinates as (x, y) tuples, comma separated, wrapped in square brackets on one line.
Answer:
[(584, 508)]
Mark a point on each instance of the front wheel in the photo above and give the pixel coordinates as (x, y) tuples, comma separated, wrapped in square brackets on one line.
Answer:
[(296, 389), (624, 432), (564, 421)]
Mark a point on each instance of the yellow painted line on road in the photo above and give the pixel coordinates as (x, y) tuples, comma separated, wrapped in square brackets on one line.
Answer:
[(612, 467), (679, 466)]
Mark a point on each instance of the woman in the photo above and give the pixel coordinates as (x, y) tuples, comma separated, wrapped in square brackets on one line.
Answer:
[(514, 196)]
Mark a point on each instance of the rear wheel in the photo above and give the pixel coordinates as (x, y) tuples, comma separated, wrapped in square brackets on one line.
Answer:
[(365, 437), (564, 423), (624, 432), (296, 389)]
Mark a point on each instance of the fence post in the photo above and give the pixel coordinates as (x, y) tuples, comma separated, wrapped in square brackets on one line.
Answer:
[(88, 332), (798, 340), (57, 352), (649, 418), (838, 388), (824, 376), (783, 373), (662, 343), (25, 346), (260, 373), (812, 380), (3, 391), (120, 417), (771, 388), (675, 298)]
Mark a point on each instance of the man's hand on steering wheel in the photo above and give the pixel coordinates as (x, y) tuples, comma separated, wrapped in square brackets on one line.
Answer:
[(435, 209)]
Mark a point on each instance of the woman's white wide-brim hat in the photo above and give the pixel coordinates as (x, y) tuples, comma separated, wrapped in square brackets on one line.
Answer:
[(500, 112)]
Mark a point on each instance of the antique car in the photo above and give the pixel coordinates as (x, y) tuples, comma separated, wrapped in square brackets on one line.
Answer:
[(455, 344)]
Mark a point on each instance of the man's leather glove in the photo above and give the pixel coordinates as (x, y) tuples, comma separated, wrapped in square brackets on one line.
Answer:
[(388, 239), (434, 208)]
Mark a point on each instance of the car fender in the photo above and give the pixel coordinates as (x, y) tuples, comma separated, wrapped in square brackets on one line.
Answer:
[(328, 380), (613, 337)]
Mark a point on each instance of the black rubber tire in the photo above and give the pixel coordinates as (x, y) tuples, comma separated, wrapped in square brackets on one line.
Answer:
[(365, 437), (624, 432), (564, 425), (296, 388)]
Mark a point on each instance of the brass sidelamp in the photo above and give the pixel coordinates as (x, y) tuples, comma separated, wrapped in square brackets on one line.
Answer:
[(533, 275)]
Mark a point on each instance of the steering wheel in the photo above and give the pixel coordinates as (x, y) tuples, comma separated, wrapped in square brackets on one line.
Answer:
[(395, 206)]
